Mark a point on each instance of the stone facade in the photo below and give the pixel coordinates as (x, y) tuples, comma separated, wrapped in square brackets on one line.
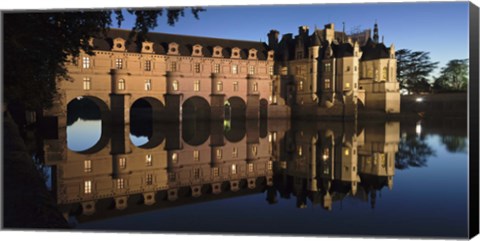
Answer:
[(325, 74)]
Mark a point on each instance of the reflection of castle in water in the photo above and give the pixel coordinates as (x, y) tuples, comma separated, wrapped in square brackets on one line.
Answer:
[(194, 162)]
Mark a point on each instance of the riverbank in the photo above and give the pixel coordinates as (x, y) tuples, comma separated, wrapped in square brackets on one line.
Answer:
[(27, 204)]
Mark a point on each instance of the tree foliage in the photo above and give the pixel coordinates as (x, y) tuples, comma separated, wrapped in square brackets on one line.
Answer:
[(453, 77), (413, 151), (37, 45), (413, 68)]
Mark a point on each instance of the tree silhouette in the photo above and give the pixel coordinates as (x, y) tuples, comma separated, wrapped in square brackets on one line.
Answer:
[(413, 68), (37, 45), (454, 76), (413, 151)]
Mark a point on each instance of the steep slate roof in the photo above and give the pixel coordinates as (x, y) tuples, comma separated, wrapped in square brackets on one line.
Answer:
[(372, 50), (185, 42), (342, 50)]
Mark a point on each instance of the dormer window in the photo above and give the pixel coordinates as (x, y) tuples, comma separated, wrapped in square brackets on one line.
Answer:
[(197, 50), (235, 53), (147, 47), (270, 55), (119, 44), (173, 48), (217, 51), (252, 54)]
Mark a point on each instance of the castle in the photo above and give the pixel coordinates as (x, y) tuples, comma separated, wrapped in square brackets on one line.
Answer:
[(327, 74)]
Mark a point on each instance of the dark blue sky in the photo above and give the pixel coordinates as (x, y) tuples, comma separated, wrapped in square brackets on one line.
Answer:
[(439, 28)]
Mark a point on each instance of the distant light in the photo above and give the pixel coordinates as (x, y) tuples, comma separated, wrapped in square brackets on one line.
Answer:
[(418, 128), (419, 99), (80, 98)]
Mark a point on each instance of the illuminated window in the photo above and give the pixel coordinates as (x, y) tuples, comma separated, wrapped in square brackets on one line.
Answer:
[(215, 171), (87, 83), (174, 157), (121, 84), (87, 187), (86, 62), (122, 162), (219, 86), (347, 152), (327, 84), (328, 67), (251, 69), (269, 165), (219, 153), (270, 70), (87, 166), (197, 67), (216, 68), (300, 85), (196, 155), (148, 84), (300, 150), (175, 85), (255, 87), (148, 159), (234, 169), (119, 63), (326, 154), (235, 152), (149, 179), (347, 85), (196, 85), (235, 86), (120, 183), (148, 65), (250, 167), (234, 69), (173, 66)]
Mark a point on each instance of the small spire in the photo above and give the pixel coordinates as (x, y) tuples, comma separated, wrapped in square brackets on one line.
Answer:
[(382, 38), (375, 32), (343, 37)]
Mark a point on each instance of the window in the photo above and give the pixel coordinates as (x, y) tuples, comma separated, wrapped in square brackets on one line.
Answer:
[(347, 152), (173, 66), (148, 84), (87, 187), (300, 85), (348, 68), (174, 157), (254, 150), (384, 73), (197, 67), (196, 155), (234, 69), (269, 165), (347, 85), (255, 87), (328, 67), (149, 179), (122, 162), (196, 173), (219, 86), (120, 183), (148, 65), (216, 68), (196, 85), (121, 84), (251, 69), (235, 86), (250, 167), (219, 153), (299, 55), (87, 166), (300, 150), (86, 62), (148, 159), (327, 84), (326, 154), (215, 171), (172, 176), (270, 70), (234, 169), (355, 68), (87, 83), (235, 152), (175, 85), (119, 63)]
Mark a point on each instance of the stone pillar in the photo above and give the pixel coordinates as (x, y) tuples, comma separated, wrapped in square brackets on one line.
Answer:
[(173, 98), (217, 97), (253, 98), (216, 133)]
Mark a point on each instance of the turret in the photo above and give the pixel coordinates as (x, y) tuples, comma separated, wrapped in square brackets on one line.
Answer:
[(273, 39), (375, 33)]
